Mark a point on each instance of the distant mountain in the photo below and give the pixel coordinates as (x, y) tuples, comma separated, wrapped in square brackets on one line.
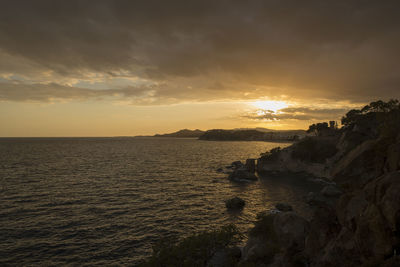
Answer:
[(266, 130), (252, 135), (185, 133), (261, 129), (238, 134)]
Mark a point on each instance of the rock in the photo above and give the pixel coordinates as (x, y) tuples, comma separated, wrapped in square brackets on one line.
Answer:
[(363, 229), (220, 258), (251, 165), (316, 199), (291, 230), (225, 257), (279, 240), (259, 251), (359, 166), (393, 158), (283, 161), (324, 227), (242, 174), (283, 207), (392, 262), (385, 193), (235, 252), (237, 164), (235, 203), (350, 207), (331, 191)]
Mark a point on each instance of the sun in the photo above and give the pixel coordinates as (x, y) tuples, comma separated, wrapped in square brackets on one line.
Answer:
[(269, 105)]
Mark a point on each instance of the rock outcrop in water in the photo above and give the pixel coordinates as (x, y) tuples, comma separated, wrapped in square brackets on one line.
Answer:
[(243, 172), (235, 203)]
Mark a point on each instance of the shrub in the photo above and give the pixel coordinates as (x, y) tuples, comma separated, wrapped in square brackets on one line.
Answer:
[(312, 149), (272, 155), (195, 250)]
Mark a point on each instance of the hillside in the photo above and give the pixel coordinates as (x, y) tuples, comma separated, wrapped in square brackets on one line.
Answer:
[(251, 135), (185, 133)]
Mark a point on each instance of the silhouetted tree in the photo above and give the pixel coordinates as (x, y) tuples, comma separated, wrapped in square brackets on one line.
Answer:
[(318, 128), (375, 107)]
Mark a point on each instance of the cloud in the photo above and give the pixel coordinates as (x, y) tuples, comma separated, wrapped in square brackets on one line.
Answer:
[(202, 50), (298, 113), (142, 94)]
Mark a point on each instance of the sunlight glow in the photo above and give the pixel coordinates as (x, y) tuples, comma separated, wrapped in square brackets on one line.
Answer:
[(269, 105)]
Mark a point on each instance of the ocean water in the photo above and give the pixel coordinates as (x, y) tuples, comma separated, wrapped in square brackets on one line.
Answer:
[(105, 201)]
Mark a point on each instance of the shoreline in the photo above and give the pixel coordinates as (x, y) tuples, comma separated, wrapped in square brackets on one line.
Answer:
[(356, 216)]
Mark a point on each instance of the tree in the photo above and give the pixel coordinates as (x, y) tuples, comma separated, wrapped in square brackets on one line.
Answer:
[(351, 116), (318, 128), (376, 107)]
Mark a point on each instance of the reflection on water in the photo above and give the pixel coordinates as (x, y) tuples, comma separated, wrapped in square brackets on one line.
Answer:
[(104, 201)]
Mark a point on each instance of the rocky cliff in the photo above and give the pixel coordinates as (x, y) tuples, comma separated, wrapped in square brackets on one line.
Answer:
[(356, 222), (312, 155), (356, 218), (251, 135)]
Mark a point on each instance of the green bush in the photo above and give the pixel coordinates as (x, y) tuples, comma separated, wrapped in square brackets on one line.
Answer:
[(195, 250)]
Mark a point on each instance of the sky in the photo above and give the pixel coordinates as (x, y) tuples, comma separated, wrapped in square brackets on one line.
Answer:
[(122, 68)]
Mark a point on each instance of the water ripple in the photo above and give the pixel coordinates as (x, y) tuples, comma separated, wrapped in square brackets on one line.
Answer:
[(105, 201)]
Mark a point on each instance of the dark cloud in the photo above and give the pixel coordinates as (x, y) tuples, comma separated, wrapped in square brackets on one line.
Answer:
[(341, 50), (51, 92), (298, 113), (137, 95)]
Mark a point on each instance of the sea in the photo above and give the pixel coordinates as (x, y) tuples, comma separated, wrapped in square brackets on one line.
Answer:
[(107, 201)]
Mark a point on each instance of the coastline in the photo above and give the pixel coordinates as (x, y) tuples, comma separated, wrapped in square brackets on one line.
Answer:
[(356, 215)]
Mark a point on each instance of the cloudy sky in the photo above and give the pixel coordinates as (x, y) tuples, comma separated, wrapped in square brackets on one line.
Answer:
[(107, 68)]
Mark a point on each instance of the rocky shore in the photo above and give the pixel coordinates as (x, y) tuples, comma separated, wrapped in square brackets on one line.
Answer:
[(356, 216), (356, 219)]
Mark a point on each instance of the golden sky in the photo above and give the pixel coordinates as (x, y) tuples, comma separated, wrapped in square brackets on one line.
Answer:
[(120, 68)]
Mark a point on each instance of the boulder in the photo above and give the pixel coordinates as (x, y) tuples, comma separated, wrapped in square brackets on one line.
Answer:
[(291, 230), (251, 165), (324, 226), (235, 203), (225, 257), (242, 174), (317, 200), (331, 191), (283, 207), (237, 164), (259, 251)]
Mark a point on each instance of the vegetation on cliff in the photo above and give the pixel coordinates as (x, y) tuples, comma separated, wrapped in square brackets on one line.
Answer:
[(185, 133), (250, 135), (358, 222), (311, 149), (195, 250)]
